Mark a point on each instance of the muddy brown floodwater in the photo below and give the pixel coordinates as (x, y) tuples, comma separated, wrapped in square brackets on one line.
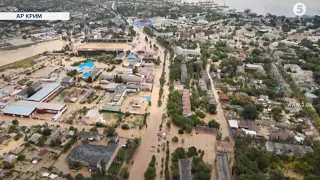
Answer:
[(149, 135), (10, 56)]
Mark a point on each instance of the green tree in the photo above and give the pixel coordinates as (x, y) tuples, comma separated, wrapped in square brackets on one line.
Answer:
[(109, 131), (79, 177), (276, 113), (94, 129), (124, 173), (46, 132), (192, 151), (276, 174), (150, 174), (180, 131), (89, 79), (175, 139), (21, 157), (135, 70), (250, 112), (125, 126), (213, 124), (15, 122)]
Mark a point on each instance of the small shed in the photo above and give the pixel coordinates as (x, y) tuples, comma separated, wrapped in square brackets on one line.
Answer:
[(233, 124)]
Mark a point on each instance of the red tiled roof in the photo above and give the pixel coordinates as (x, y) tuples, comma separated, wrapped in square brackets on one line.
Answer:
[(42, 152), (223, 97)]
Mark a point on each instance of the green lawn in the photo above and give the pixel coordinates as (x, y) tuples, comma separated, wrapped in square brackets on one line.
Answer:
[(24, 63), (114, 168)]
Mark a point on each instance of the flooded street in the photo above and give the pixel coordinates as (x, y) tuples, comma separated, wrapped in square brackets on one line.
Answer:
[(10, 56), (149, 136), (220, 118), (11, 145)]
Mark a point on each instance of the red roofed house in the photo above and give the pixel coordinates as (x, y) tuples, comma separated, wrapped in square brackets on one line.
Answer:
[(223, 97)]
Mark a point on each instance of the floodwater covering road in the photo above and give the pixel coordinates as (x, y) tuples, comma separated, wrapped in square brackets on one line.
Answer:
[(224, 126), (14, 55), (149, 136)]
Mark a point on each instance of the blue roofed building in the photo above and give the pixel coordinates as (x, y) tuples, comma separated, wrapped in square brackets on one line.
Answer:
[(45, 93), (87, 66), (132, 56)]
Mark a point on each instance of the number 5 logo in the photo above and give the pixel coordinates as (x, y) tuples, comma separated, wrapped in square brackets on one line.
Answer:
[(299, 9)]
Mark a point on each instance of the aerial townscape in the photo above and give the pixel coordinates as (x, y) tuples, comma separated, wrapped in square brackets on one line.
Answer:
[(159, 90)]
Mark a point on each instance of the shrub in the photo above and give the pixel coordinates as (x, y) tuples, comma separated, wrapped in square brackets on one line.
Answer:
[(125, 126), (175, 139), (181, 131)]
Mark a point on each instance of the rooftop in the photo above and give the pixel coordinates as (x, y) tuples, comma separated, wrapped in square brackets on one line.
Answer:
[(47, 89), (92, 154), (85, 65), (111, 108), (223, 166), (40, 105), (185, 169), (19, 110), (104, 47)]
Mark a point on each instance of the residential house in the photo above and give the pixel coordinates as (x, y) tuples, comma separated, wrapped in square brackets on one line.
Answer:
[(186, 105), (203, 85), (184, 73), (92, 136), (287, 149), (281, 134), (67, 81), (35, 138), (223, 97)]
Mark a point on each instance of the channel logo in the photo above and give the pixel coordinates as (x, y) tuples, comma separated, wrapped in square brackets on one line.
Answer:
[(51, 16)]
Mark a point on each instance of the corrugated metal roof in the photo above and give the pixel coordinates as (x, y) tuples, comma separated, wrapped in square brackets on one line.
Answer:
[(111, 108), (18, 110), (40, 105), (47, 89)]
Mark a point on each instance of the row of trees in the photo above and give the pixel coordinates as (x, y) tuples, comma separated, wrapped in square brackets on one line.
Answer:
[(151, 173)]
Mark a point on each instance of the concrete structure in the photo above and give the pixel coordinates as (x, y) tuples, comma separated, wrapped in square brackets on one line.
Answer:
[(19, 111), (124, 71), (180, 51), (99, 48), (111, 108), (203, 85), (185, 169), (67, 81), (28, 91), (46, 92), (184, 73), (253, 66), (92, 156), (186, 105), (118, 96), (28, 108), (287, 149), (223, 170)]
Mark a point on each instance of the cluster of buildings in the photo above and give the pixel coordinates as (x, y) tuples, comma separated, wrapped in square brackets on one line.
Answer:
[(186, 104), (36, 103)]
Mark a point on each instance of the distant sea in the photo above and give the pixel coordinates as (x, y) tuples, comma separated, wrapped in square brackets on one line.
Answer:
[(276, 7)]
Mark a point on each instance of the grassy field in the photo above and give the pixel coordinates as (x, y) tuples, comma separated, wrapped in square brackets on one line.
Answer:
[(24, 63), (114, 168)]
